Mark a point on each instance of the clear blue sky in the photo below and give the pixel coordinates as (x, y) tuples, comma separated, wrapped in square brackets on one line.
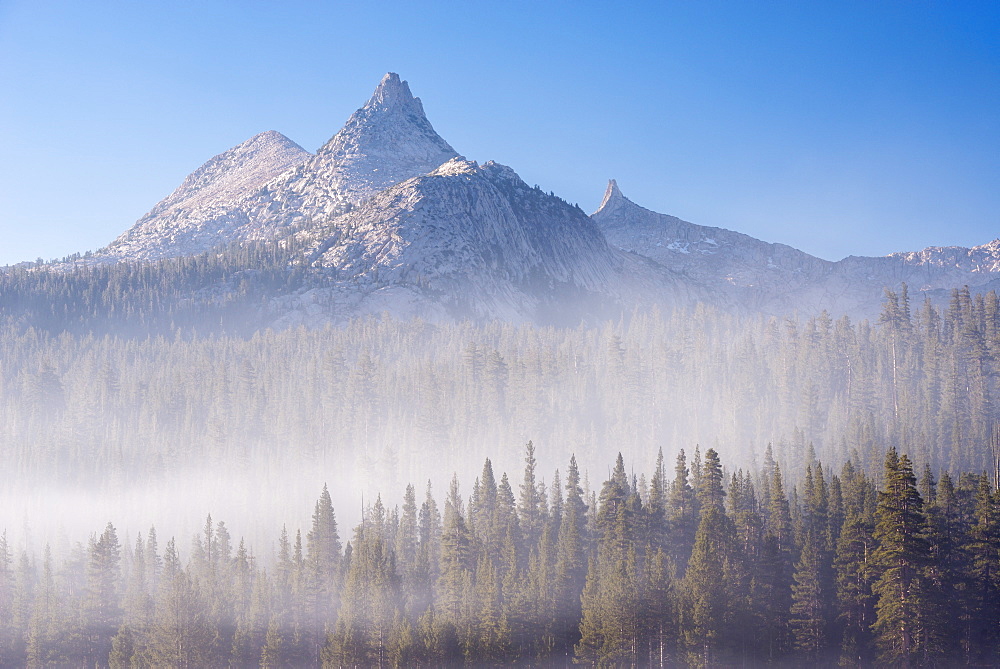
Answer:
[(836, 127)]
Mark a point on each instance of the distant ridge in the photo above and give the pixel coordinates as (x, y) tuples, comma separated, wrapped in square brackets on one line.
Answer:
[(778, 279)]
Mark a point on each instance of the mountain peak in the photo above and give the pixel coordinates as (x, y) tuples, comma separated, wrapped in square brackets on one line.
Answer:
[(193, 218), (269, 140), (393, 92), (613, 198), (386, 141)]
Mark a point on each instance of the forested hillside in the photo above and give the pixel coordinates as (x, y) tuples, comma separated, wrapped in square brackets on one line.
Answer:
[(385, 397), (227, 291), (121, 391), (688, 566)]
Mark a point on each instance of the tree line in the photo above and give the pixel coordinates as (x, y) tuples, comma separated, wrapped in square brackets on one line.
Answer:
[(695, 566)]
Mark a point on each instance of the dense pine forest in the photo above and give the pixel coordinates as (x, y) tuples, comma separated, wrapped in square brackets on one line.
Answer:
[(83, 406), (121, 394), (692, 565)]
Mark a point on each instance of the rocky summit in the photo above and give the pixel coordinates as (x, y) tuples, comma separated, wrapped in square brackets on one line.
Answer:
[(389, 217)]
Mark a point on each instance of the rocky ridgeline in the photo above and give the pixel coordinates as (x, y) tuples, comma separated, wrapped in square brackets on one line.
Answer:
[(395, 220)]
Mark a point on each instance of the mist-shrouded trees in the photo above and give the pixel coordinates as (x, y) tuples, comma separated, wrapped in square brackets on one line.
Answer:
[(801, 534), (857, 568), (143, 402)]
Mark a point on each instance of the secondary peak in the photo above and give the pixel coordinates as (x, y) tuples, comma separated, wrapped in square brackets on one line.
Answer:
[(612, 197)]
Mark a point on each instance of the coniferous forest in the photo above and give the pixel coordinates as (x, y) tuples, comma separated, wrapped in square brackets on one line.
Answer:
[(688, 565), (830, 495), (85, 404)]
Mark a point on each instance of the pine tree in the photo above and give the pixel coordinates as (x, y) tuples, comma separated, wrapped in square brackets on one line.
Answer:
[(455, 560), (179, 636), (983, 558), (812, 590), (138, 604), (322, 572), (656, 507), (482, 506), (900, 560), (271, 655), (491, 640), (124, 653), (659, 610), (940, 607), (571, 564), (371, 601), (253, 616), (507, 528), (154, 563), (773, 577), (682, 515), (610, 626), (614, 515), (103, 606), (708, 603), (46, 622), (529, 506), (407, 538), (427, 569), (854, 570)]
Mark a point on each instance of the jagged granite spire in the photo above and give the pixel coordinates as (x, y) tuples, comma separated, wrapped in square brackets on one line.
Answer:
[(393, 92), (386, 141), (612, 197)]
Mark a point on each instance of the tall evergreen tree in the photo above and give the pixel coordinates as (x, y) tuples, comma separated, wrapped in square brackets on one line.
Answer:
[(372, 601), (983, 557), (656, 506), (900, 560), (709, 600), (571, 563), (854, 569), (529, 506), (322, 572), (610, 626), (682, 515), (812, 590), (103, 606), (455, 560), (179, 636)]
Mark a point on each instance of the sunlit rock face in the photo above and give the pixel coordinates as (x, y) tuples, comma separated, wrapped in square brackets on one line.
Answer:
[(261, 187), (482, 243), (204, 211)]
